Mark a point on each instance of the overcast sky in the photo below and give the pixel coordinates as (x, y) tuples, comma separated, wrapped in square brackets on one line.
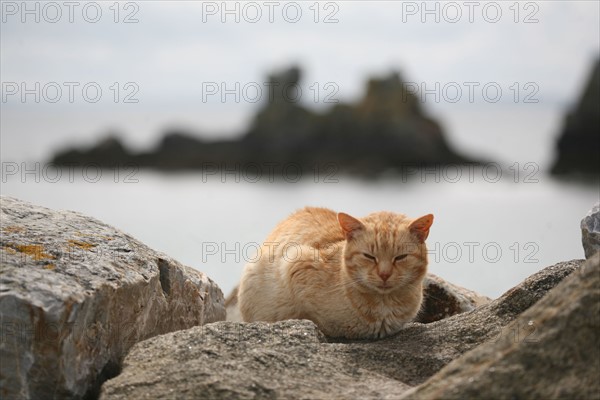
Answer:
[(171, 51)]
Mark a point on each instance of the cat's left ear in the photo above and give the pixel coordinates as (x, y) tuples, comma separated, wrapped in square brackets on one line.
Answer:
[(349, 225), (420, 227)]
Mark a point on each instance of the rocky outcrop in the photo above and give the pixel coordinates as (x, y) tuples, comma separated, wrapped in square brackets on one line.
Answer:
[(441, 299), (578, 144), (228, 360), (291, 359), (386, 130), (590, 231), (551, 351), (76, 294), (108, 151)]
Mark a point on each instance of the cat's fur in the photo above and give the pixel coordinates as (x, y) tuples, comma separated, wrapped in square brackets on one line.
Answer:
[(315, 265)]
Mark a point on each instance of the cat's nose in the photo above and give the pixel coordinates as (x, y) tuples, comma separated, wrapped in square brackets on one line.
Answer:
[(384, 275)]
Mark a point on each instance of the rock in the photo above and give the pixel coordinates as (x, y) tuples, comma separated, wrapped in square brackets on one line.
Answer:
[(76, 294), (291, 359), (244, 361), (386, 130), (551, 351), (282, 109), (590, 231), (441, 299), (108, 152), (423, 349), (579, 141)]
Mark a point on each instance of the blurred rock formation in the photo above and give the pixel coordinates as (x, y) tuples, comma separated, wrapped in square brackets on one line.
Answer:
[(386, 130), (578, 146)]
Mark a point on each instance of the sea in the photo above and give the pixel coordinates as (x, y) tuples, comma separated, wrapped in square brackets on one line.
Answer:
[(494, 225)]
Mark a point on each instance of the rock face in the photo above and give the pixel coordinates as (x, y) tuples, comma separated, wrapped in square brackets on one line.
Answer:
[(291, 359), (386, 130), (441, 299), (590, 231), (551, 351), (579, 141), (108, 151), (76, 294), (244, 361)]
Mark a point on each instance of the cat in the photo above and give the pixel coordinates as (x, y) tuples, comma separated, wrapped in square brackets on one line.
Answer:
[(354, 278)]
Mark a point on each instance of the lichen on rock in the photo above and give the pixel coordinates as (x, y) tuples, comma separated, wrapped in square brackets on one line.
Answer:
[(76, 294)]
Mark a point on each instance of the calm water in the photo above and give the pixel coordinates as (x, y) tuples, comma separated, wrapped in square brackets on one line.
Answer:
[(487, 235)]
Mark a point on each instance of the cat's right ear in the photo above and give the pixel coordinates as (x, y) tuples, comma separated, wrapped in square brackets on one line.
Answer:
[(349, 225), (420, 227)]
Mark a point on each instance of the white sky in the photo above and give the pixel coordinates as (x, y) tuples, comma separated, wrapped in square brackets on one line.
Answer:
[(170, 52)]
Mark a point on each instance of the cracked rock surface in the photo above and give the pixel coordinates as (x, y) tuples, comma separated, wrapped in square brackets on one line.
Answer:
[(76, 294), (293, 360), (551, 351), (590, 231)]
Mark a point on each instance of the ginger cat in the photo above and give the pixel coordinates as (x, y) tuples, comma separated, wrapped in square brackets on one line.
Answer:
[(354, 278)]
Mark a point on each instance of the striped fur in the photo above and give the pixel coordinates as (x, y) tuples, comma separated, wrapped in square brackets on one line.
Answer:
[(355, 278)]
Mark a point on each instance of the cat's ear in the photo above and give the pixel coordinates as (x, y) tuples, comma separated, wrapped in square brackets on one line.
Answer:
[(349, 225), (420, 227)]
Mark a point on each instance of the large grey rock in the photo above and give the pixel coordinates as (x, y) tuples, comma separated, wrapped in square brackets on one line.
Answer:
[(229, 360), (590, 231), (76, 294), (441, 299), (290, 359), (388, 129), (551, 351), (578, 144)]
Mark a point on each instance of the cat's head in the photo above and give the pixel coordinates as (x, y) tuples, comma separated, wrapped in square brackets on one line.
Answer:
[(384, 251)]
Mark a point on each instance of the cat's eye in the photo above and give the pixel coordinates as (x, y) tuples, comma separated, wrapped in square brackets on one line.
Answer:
[(370, 257), (400, 257)]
